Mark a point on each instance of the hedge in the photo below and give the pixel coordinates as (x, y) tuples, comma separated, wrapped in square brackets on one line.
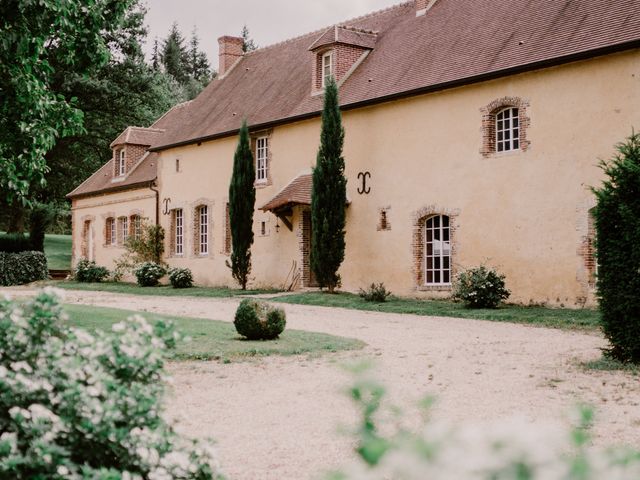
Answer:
[(14, 243), (23, 267)]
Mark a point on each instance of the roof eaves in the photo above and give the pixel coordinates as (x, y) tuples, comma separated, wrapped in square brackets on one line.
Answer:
[(130, 186)]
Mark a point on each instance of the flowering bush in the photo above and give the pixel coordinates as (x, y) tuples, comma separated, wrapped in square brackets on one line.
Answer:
[(181, 278), (480, 287), (148, 274), (75, 405), (257, 320), (506, 450), (88, 271)]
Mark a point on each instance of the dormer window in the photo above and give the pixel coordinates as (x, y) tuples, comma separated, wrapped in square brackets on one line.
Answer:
[(121, 163), (327, 68)]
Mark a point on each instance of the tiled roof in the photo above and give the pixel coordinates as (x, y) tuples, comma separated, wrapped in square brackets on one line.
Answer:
[(298, 192), (138, 136), (455, 42), (143, 173), (348, 35)]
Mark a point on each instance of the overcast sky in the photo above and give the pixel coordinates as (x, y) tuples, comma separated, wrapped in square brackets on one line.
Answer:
[(268, 21)]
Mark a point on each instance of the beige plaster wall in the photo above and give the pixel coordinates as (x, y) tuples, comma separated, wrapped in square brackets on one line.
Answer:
[(97, 209), (524, 213)]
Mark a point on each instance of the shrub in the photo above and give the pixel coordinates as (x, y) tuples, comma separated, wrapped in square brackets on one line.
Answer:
[(617, 221), (257, 320), (40, 219), (23, 267), (79, 405), (14, 243), (89, 271), (480, 287), (375, 293), (149, 247), (509, 449), (149, 273), (181, 278)]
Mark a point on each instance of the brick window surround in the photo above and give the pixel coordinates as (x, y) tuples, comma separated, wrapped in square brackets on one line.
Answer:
[(489, 113), (196, 216), (267, 134), (587, 251), (418, 244)]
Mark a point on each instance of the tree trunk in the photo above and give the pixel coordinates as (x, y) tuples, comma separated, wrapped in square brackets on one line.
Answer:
[(16, 219)]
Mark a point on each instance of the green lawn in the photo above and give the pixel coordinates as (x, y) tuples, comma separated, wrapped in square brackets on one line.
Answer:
[(583, 319), (162, 290), (57, 248), (213, 339)]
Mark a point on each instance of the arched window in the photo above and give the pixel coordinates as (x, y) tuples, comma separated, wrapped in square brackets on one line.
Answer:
[(110, 231), (507, 130), (437, 250)]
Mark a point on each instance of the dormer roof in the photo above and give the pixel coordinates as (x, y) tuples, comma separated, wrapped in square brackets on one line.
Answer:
[(358, 37), (138, 136)]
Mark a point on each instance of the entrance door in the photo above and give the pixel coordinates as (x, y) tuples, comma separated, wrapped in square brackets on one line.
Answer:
[(308, 278)]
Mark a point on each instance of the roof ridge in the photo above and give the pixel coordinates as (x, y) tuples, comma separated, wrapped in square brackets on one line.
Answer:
[(324, 29), (147, 128)]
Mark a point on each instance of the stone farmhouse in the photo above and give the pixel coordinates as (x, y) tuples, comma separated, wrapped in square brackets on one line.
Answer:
[(474, 129)]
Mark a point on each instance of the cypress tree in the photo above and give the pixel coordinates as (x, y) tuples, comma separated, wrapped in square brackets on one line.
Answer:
[(242, 199), (329, 195), (617, 218)]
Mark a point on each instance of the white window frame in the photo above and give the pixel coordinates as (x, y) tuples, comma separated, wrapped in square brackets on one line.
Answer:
[(508, 130), (262, 158), (327, 67), (136, 224), (111, 223), (440, 251), (123, 224), (179, 231), (203, 215), (122, 163)]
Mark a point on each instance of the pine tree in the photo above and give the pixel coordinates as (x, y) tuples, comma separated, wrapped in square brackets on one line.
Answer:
[(242, 199), (174, 55), (199, 68), (329, 195), (155, 56), (248, 44), (617, 216)]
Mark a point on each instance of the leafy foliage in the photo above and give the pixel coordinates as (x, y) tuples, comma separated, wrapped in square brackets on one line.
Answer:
[(14, 243), (329, 195), (75, 405), (40, 219), (376, 292), (617, 219), (181, 278), (480, 287), (37, 39), (148, 247), (87, 271), (242, 199), (148, 274), (23, 267), (512, 449), (258, 320)]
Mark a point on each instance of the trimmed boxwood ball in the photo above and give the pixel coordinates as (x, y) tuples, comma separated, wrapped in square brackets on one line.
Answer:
[(258, 320), (148, 274), (181, 278)]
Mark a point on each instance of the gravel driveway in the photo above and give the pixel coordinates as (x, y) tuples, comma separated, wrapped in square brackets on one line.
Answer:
[(280, 417)]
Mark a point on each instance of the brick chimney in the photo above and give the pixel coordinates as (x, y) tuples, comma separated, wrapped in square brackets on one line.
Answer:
[(230, 53), (423, 6)]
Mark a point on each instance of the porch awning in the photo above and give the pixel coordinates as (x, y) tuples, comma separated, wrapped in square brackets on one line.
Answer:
[(297, 192)]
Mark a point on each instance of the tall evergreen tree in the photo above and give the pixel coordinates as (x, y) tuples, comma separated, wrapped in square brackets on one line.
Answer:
[(199, 68), (617, 218), (329, 195), (174, 56), (155, 56), (242, 199), (248, 44)]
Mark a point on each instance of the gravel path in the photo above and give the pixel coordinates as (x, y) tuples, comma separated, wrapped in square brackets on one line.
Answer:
[(279, 418)]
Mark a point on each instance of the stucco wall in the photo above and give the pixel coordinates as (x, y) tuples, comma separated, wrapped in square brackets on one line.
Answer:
[(97, 209), (523, 212)]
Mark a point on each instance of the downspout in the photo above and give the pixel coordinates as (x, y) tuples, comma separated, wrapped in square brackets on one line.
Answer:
[(151, 187)]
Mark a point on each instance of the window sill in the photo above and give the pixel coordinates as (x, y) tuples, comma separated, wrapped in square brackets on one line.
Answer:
[(435, 288), (261, 184)]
